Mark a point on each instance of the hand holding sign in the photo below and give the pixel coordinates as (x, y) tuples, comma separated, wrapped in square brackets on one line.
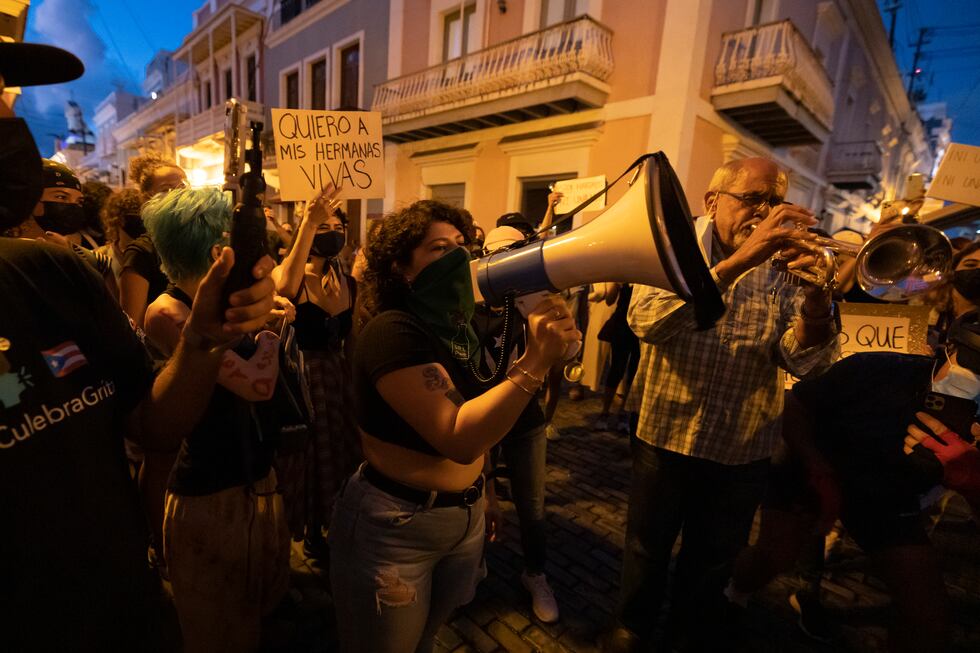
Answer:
[(315, 149), (324, 206)]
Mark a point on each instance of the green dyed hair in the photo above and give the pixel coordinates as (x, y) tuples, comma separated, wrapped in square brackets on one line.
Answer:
[(184, 225)]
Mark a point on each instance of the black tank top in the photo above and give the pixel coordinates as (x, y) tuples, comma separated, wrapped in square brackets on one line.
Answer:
[(318, 330)]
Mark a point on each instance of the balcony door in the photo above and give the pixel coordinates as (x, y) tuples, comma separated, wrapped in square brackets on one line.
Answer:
[(350, 76), (557, 11), (457, 37)]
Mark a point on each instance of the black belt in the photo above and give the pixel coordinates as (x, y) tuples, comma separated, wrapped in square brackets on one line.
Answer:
[(432, 499)]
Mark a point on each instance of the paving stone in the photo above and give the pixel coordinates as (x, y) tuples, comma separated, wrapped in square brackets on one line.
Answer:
[(509, 640), (474, 635)]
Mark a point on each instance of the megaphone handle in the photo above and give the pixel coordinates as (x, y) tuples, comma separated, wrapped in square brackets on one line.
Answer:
[(527, 303)]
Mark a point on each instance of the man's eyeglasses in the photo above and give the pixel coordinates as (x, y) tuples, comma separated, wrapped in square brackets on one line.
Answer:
[(755, 200)]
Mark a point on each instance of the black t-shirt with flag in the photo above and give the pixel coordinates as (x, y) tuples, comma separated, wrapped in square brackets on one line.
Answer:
[(73, 543)]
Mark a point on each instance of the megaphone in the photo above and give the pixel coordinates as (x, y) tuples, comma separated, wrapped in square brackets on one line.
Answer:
[(647, 238)]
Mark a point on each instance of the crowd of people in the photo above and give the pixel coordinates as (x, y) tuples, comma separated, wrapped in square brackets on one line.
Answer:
[(151, 430)]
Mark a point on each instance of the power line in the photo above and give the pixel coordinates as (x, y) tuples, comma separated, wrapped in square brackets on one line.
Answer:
[(115, 46), (139, 27)]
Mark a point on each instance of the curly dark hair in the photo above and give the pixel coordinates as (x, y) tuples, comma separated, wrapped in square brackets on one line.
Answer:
[(127, 201), (400, 233)]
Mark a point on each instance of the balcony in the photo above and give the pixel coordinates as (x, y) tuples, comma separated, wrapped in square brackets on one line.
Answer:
[(554, 71), (770, 82), (855, 165), (210, 122)]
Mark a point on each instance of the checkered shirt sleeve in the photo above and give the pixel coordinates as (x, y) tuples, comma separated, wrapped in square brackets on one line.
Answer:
[(718, 393)]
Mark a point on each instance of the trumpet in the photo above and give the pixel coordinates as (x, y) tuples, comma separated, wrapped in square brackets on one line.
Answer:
[(895, 265)]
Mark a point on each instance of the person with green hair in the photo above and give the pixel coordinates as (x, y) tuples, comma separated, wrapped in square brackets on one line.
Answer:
[(226, 541)]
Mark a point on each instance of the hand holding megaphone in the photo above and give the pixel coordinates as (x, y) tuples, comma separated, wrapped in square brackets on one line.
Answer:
[(551, 334)]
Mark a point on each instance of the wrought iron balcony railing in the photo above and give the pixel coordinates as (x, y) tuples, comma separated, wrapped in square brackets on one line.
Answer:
[(578, 46), (775, 54)]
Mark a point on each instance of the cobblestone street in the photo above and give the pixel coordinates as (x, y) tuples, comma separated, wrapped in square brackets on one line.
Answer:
[(588, 482)]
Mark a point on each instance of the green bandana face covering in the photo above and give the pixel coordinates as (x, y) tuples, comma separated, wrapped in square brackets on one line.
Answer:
[(442, 297)]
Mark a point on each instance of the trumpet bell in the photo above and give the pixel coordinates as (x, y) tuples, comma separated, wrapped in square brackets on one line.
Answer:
[(904, 262)]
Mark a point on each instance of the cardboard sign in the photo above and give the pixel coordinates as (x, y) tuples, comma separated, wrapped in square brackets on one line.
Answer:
[(880, 327), (576, 191), (316, 148), (958, 177)]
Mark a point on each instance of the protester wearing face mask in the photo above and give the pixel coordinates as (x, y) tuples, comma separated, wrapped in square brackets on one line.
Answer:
[(312, 277), (407, 538), (58, 217), (74, 379), (849, 428), (122, 224)]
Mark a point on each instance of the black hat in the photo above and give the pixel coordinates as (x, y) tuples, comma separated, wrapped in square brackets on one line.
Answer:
[(58, 175), (34, 64), (965, 334), (517, 221)]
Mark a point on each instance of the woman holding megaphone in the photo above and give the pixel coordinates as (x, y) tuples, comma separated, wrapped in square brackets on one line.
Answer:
[(408, 530)]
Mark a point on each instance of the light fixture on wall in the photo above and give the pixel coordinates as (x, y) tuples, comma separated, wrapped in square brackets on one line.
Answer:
[(502, 6)]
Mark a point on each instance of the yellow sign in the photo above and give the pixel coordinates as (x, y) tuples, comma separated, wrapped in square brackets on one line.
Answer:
[(317, 148), (958, 177), (576, 191)]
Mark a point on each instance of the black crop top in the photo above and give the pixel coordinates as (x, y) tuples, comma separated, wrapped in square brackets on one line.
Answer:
[(394, 340), (318, 330)]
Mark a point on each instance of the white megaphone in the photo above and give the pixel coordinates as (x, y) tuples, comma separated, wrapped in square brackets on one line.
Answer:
[(647, 238)]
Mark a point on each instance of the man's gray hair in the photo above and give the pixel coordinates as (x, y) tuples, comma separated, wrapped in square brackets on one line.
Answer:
[(728, 175)]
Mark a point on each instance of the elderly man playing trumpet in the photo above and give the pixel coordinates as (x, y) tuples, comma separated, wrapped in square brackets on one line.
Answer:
[(712, 402)]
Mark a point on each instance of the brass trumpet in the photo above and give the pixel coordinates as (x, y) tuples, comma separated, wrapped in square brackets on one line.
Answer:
[(893, 266)]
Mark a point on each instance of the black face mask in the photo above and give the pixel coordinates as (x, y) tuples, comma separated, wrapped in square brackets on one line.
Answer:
[(133, 226), (20, 173), (967, 283), (61, 218), (328, 244)]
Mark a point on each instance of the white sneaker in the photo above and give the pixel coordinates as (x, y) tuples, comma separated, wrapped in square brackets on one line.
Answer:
[(542, 598), (551, 432)]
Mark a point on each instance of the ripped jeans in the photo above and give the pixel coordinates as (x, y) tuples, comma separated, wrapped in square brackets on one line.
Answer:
[(398, 570)]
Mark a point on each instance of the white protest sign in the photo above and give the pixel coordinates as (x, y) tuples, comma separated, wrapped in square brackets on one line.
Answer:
[(880, 327), (576, 191), (317, 148), (958, 177)]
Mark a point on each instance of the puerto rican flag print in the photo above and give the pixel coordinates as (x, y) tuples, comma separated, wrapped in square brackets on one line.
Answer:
[(64, 359)]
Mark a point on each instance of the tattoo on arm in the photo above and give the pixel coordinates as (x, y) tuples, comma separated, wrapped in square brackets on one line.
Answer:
[(454, 396), (434, 379)]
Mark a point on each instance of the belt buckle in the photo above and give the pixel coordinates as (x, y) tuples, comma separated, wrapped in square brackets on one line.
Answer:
[(471, 495)]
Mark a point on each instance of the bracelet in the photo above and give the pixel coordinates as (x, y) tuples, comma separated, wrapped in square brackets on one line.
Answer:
[(530, 392), (523, 371)]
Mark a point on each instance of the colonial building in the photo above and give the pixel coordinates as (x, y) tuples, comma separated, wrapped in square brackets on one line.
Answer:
[(325, 54), (489, 102)]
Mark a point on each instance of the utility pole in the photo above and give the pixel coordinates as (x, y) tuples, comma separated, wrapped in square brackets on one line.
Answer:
[(923, 32), (893, 10)]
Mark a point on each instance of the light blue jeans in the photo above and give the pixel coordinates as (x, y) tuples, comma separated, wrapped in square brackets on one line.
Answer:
[(398, 570)]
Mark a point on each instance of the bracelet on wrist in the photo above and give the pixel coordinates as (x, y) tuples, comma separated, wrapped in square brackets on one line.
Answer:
[(517, 366), (528, 391)]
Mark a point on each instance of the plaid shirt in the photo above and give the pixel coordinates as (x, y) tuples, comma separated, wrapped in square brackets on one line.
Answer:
[(718, 394)]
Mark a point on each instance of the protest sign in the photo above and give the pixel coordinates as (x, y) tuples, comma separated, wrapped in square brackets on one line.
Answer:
[(576, 191), (317, 148), (880, 327), (958, 177)]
